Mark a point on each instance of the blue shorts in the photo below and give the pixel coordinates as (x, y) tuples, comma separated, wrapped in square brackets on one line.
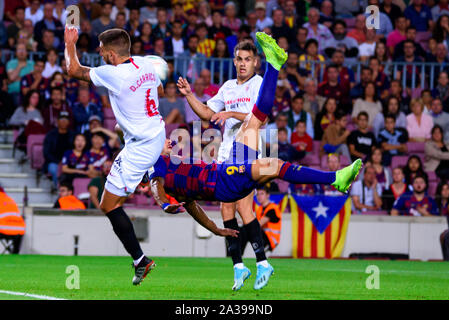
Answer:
[(234, 180)]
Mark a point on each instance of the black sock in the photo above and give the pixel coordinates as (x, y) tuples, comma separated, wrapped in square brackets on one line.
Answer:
[(233, 244), (124, 230), (255, 238)]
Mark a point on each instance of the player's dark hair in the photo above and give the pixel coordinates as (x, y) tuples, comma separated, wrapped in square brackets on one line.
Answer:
[(66, 184), (117, 39), (363, 113), (245, 45)]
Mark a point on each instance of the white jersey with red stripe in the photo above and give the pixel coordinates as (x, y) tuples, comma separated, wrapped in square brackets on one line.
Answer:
[(238, 98), (132, 87)]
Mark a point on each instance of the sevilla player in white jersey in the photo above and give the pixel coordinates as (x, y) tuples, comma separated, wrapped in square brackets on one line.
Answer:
[(237, 98), (134, 88)]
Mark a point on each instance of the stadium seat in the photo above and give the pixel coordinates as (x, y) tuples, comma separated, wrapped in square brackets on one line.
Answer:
[(399, 161), (431, 190), (80, 188), (376, 212), (432, 176), (32, 140), (109, 124), (316, 146), (415, 147), (108, 113), (350, 23), (311, 159), (283, 185), (37, 156), (170, 127)]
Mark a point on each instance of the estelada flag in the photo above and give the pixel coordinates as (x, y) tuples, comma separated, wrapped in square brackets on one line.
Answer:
[(319, 225)]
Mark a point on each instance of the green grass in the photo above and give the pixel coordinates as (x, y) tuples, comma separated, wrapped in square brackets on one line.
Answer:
[(212, 278)]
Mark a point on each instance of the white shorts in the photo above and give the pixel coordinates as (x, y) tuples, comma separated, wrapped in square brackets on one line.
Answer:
[(131, 164)]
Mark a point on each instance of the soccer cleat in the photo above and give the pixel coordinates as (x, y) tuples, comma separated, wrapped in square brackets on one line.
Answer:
[(263, 275), (142, 269), (240, 275), (275, 55), (345, 176)]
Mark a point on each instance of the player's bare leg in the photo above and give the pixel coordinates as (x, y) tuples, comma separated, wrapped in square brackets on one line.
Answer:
[(112, 207)]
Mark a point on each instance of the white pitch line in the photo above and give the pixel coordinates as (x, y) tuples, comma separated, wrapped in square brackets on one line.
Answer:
[(24, 294)]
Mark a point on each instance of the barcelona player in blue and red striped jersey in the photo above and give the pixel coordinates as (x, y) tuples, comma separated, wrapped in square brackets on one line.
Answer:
[(243, 171)]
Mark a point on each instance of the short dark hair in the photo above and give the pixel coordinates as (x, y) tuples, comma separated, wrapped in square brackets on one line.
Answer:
[(66, 184), (264, 187), (57, 88), (363, 113), (340, 114), (283, 130), (298, 96), (339, 21), (300, 121), (245, 45), (390, 116), (117, 39), (310, 42), (201, 25)]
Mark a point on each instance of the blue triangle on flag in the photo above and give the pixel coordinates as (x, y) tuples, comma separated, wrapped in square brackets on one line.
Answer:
[(320, 209)]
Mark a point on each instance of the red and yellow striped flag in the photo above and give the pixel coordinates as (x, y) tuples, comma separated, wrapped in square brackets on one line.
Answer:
[(319, 225)]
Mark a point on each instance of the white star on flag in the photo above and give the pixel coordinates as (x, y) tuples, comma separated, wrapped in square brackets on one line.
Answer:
[(320, 210)]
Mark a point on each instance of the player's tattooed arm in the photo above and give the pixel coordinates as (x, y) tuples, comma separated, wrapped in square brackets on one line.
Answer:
[(201, 110), (197, 213), (74, 68)]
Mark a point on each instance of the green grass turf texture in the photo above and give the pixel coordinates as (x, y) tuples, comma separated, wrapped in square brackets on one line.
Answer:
[(212, 278)]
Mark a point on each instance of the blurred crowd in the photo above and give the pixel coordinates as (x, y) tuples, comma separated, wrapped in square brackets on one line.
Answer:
[(326, 104)]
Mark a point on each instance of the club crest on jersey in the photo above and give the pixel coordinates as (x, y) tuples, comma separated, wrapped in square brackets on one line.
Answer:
[(242, 168)]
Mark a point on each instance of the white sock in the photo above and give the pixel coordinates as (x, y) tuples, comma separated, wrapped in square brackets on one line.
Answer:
[(136, 262), (239, 265), (263, 263)]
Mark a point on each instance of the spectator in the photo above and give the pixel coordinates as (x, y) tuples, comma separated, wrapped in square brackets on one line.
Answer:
[(35, 80), (205, 46), (59, 11), (369, 103), (55, 144), (441, 90), (189, 63), (442, 198), (49, 23), (416, 202), (383, 173), (366, 192), (16, 69), (76, 162), (390, 9), (315, 30), (221, 51), (55, 107), (133, 24), (426, 99), (419, 124), (332, 88), (335, 136), (66, 199), (385, 26), (291, 18), (392, 139), (297, 113), (211, 89), (120, 20), (441, 30), (325, 117), (396, 92), (48, 41), (313, 103), (273, 128), (175, 44), (51, 65), (333, 164), (327, 16), (262, 20), (342, 42), (171, 107), (299, 46), (437, 154), (84, 109), (345, 8), (34, 12), (26, 36), (111, 138), (398, 34), (295, 74), (148, 12), (230, 20), (14, 28), (27, 114), (413, 168), (218, 30), (177, 13), (137, 47), (104, 22), (282, 99), (96, 185), (369, 46), (311, 60), (366, 76), (380, 51), (198, 92), (440, 56), (159, 47), (162, 29), (88, 10), (345, 74), (419, 15), (301, 140), (98, 152), (284, 150), (204, 13), (440, 117), (399, 50), (395, 190), (361, 142), (380, 79)]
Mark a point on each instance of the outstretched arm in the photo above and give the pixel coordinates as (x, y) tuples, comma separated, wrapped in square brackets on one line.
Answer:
[(202, 110), (74, 68), (200, 216), (157, 189)]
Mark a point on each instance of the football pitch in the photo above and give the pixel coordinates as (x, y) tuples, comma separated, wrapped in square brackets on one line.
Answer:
[(104, 278)]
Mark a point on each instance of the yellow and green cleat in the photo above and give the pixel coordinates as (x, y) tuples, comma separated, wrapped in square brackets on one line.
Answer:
[(346, 176), (275, 55)]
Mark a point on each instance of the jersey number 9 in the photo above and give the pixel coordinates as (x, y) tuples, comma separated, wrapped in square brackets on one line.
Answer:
[(150, 104)]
